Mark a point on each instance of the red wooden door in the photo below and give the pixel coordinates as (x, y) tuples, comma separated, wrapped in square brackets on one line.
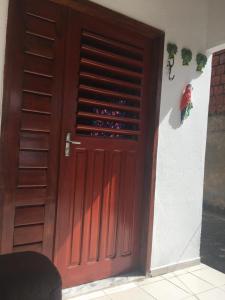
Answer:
[(30, 128), (102, 178)]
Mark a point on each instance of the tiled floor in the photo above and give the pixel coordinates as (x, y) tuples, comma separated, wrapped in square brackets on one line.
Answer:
[(200, 282)]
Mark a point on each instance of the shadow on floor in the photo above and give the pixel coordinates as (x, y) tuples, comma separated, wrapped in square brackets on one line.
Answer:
[(213, 241)]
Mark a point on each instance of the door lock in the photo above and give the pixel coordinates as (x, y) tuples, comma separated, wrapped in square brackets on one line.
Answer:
[(68, 143)]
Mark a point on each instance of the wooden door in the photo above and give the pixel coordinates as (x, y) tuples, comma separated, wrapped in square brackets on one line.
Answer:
[(101, 183), (31, 127)]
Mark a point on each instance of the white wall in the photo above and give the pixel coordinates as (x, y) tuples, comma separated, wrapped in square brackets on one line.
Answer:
[(178, 201), (181, 150), (216, 25)]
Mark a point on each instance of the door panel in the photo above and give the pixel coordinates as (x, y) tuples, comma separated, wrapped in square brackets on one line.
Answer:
[(31, 131), (102, 179)]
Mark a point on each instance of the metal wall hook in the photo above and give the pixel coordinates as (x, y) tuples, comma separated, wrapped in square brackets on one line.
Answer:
[(170, 65)]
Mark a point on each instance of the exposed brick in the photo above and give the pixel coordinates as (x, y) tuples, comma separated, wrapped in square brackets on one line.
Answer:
[(219, 99), (219, 69), (215, 80), (212, 99), (220, 52), (218, 90), (213, 71), (223, 78), (222, 58), (216, 60), (212, 107), (220, 108)]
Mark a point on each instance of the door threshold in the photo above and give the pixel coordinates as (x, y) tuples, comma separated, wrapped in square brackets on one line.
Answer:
[(101, 284)]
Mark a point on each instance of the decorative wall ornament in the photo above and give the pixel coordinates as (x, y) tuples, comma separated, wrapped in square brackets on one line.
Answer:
[(201, 60), (186, 55), (186, 104), (172, 51)]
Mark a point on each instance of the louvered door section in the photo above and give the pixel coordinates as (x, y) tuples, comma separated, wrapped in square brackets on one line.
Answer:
[(102, 179), (38, 67), (109, 102)]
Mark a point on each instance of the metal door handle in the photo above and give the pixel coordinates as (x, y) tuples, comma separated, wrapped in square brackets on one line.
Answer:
[(68, 143)]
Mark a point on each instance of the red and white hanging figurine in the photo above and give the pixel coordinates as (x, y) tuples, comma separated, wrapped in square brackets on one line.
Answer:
[(186, 104)]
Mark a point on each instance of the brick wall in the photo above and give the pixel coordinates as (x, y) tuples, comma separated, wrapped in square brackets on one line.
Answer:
[(214, 187), (217, 98)]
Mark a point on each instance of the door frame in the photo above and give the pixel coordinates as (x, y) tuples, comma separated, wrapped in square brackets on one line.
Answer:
[(157, 37)]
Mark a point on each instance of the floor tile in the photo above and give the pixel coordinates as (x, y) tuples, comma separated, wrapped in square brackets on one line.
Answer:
[(191, 283), (196, 268), (96, 295), (165, 290), (149, 280), (175, 273), (212, 276), (120, 288), (103, 298), (180, 272), (168, 275), (132, 294), (215, 294)]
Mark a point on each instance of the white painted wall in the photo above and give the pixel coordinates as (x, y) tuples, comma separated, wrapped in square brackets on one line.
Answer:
[(181, 151), (216, 25)]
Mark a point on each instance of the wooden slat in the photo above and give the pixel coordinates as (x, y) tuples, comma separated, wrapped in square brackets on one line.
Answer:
[(113, 43), (35, 142), (111, 69), (29, 215), (30, 197), (38, 64), (107, 117), (37, 26), (33, 159), (37, 84), (111, 56), (108, 93), (37, 247), (111, 81), (32, 178), (35, 122), (39, 46), (110, 130), (37, 9), (28, 234), (36, 103), (91, 102)]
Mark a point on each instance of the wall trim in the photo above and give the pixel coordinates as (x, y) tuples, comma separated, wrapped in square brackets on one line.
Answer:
[(174, 267)]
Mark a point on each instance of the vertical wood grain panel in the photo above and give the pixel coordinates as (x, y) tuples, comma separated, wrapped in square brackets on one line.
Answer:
[(88, 203), (113, 204), (96, 205), (128, 196), (78, 206)]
